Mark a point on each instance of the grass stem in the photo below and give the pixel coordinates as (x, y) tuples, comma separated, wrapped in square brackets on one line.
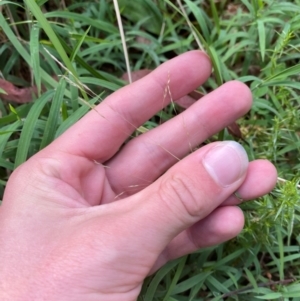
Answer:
[(122, 34)]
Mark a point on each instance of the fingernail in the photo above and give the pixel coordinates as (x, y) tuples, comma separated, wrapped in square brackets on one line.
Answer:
[(226, 163)]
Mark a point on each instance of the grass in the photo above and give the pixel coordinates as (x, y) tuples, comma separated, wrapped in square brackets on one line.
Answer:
[(254, 41)]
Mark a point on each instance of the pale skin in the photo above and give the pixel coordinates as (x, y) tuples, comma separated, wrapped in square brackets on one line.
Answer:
[(85, 219)]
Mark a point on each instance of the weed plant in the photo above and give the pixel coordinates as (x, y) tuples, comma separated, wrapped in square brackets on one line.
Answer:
[(254, 41)]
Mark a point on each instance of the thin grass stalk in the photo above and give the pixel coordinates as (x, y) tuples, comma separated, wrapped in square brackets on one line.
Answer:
[(190, 25), (122, 34)]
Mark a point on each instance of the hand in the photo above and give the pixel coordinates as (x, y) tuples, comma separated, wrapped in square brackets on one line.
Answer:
[(85, 219)]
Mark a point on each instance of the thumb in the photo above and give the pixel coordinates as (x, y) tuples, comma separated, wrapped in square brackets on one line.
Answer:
[(187, 193)]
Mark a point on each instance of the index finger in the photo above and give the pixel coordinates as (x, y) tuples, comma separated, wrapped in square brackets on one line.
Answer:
[(100, 134)]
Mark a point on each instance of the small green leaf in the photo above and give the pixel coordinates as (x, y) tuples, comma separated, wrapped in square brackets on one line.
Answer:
[(3, 91), (14, 111)]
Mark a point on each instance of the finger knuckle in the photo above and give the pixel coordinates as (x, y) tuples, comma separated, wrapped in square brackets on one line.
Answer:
[(179, 193)]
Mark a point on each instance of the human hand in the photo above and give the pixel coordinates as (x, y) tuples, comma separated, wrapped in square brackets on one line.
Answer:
[(82, 220)]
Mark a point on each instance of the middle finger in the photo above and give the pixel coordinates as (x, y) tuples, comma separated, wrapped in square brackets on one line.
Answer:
[(148, 156)]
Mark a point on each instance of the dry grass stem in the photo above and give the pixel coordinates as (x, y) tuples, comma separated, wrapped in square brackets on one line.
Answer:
[(120, 24), (190, 25)]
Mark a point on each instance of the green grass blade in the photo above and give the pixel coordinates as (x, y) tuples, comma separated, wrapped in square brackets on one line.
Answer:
[(281, 253), (249, 6), (213, 283), (79, 44), (216, 65), (3, 2), (54, 114), (215, 15), (157, 278), (191, 282), (14, 40), (149, 9), (294, 70), (75, 117), (80, 61), (262, 38), (22, 112), (271, 296), (7, 132), (41, 2), (29, 126), (98, 82), (197, 12), (176, 277), (38, 14), (21, 50), (229, 257), (251, 278), (8, 165), (105, 26), (35, 56)]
